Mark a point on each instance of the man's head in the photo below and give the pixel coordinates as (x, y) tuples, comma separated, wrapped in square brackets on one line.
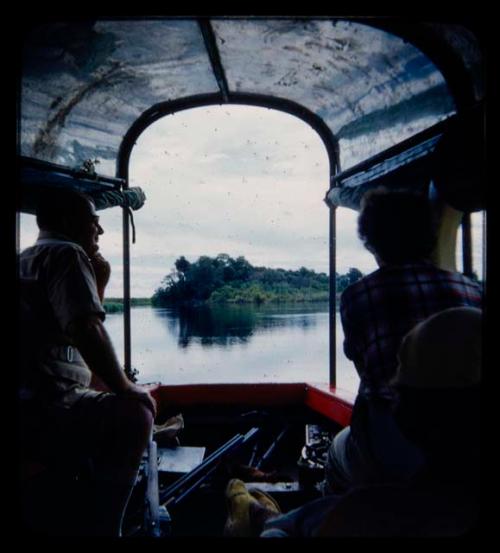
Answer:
[(397, 227), (70, 213)]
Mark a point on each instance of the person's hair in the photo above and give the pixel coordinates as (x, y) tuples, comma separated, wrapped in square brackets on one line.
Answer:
[(398, 227), (56, 206)]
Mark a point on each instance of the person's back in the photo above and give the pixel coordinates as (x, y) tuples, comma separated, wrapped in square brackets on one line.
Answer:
[(377, 311), (438, 378), (382, 307), (440, 364)]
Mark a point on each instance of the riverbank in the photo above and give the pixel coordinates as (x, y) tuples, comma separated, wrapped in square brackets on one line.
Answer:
[(115, 305)]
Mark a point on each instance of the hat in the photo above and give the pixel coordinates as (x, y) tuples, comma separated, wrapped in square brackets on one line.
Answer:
[(444, 351)]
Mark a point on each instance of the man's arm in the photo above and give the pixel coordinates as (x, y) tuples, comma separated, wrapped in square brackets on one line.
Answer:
[(94, 344)]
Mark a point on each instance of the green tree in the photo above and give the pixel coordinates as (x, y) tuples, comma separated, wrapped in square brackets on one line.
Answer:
[(182, 265), (242, 268), (222, 279), (354, 275)]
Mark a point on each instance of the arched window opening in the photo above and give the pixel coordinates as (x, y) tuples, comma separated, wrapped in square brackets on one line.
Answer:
[(249, 183)]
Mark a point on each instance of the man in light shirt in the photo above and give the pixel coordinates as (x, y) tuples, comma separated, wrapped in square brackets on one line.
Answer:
[(62, 345)]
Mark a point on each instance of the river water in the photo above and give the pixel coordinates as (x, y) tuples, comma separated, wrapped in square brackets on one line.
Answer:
[(234, 343)]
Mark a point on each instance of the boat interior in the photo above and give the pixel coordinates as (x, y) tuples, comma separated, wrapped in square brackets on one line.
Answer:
[(273, 437), (391, 100)]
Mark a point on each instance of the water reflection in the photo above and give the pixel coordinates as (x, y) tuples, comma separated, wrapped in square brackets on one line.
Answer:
[(210, 326), (227, 325), (242, 344)]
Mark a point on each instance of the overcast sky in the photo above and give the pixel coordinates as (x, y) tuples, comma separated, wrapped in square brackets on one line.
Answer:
[(233, 179)]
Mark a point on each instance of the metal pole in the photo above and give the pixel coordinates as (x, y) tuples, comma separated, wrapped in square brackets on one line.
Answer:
[(169, 495), (334, 158), (484, 248), (271, 448), (126, 292), (333, 296), (214, 56)]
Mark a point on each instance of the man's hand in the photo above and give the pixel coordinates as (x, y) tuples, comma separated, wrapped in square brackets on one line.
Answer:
[(102, 270), (132, 390)]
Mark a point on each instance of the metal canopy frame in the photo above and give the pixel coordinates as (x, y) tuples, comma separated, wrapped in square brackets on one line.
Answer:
[(161, 110), (446, 61), (214, 55)]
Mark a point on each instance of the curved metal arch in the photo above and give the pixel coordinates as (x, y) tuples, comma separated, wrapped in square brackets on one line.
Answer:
[(163, 109), (160, 110)]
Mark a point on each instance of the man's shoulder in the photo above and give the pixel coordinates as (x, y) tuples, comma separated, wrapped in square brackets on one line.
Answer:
[(42, 253), (362, 284), (454, 277), (50, 244), (63, 249), (356, 291), (58, 256)]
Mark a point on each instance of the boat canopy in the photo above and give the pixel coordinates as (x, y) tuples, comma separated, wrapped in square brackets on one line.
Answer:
[(448, 157), (36, 176), (85, 84)]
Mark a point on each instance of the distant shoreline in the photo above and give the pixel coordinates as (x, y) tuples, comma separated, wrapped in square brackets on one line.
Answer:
[(115, 305)]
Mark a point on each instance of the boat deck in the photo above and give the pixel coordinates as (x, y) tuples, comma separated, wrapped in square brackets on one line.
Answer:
[(292, 425)]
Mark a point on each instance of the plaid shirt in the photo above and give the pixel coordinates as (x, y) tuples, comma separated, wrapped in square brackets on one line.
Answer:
[(380, 309)]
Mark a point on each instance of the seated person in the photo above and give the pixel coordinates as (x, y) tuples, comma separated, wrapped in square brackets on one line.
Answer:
[(438, 373), (376, 312), (62, 343)]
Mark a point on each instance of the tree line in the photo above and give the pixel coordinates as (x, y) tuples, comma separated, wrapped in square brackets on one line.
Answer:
[(115, 305), (223, 279)]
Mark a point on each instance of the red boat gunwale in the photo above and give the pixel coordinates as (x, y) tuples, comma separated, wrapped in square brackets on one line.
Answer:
[(334, 403)]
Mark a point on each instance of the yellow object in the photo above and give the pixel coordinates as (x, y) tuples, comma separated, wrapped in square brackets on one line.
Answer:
[(444, 254)]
